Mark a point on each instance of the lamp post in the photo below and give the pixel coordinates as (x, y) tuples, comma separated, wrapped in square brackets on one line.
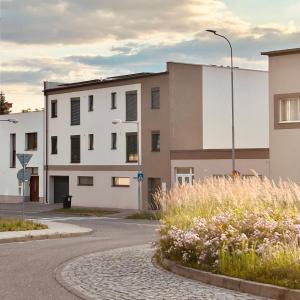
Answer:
[(10, 120), (118, 121), (232, 101)]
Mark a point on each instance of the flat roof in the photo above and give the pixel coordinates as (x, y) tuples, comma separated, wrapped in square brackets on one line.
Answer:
[(282, 52)]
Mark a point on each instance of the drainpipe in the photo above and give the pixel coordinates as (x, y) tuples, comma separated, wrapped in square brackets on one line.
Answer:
[(46, 141)]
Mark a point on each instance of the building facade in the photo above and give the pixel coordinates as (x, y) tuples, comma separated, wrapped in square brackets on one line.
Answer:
[(284, 107), (175, 126), (26, 136)]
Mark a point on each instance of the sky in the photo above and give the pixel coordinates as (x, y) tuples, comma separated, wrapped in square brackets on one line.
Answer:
[(75, 40)]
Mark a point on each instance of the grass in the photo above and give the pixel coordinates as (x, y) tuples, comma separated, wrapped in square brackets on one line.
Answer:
[(19, 225), (211, 197), (85, 212), (146, 215)]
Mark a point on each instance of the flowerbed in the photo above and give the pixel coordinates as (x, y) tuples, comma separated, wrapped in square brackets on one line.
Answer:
[(246, 228)]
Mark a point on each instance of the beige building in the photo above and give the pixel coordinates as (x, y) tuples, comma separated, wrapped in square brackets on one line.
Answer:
[(177, 122), (284, 101)]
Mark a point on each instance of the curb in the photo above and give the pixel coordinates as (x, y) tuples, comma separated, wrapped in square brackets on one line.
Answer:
[(240, 285), (43, 237)]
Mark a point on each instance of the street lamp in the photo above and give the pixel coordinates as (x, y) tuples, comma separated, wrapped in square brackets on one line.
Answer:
[(10, 120), (118, 121), (232, 100)]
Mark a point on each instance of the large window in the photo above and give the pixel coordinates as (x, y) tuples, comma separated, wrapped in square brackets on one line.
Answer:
[(85, 180), (114, 141), (53, 108), (131, 147), (75, 148), (31, 141), (155, 98), (290, 110), (113, 100), (131, 106), (91, 142), (75, 111), (155, 136), (53, 144), (91, 102), (12, 150), (121, 181)]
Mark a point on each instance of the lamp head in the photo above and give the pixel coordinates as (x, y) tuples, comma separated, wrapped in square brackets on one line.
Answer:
[(211, 31), (116, 121), (15, 121)]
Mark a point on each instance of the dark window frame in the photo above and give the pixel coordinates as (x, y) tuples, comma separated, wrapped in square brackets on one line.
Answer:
[(75, 161), (74, 99), (129, 95), (53, 109), (113, 181), (155, 142), (113, 100), (91, 141), (130, 134), (91, 103), (28, 136), (85, 184), (113, 141), (54, 149), (13, 151), (153, 104)]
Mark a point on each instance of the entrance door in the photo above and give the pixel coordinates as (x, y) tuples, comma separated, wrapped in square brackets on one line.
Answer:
[(34, 188), (61, 188)]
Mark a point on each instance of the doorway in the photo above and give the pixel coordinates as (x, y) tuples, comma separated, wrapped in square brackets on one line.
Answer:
[(34, 188), (61, 188)]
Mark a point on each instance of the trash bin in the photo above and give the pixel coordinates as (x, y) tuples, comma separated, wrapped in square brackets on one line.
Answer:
[(67, 201)]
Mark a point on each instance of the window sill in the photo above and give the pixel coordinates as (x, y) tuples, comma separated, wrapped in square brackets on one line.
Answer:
[(53, 117), (120, 186), (131, 162), (289, 122), (85, 185), (155, 151), (12, 167), (30, 150), (53, 153)]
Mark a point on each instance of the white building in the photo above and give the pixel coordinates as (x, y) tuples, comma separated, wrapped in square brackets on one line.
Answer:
[(26, 136)]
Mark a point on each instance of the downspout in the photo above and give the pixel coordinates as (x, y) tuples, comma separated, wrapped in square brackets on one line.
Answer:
[(46, 141)]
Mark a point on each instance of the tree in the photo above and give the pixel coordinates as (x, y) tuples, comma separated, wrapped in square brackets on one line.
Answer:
[(4, 105)]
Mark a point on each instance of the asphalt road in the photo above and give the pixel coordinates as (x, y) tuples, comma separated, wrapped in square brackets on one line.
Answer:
[(27, 269)]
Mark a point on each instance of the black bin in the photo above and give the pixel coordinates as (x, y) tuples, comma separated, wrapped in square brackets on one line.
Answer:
[(67, 201)]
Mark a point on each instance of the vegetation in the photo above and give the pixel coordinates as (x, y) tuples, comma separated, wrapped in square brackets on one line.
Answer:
[(4, 105), (246, 228), (146, 215), (88, 212), (19, 225)]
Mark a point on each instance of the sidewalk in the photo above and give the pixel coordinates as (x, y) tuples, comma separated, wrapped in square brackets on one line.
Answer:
[(55, 230)]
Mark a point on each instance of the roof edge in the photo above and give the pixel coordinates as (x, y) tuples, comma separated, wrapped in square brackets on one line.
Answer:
[(281, 52)]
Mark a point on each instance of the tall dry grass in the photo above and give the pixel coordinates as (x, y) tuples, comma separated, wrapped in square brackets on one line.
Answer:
[(210, 196)]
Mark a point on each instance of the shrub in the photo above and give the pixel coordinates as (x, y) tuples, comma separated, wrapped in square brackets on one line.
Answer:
[(246, 228)]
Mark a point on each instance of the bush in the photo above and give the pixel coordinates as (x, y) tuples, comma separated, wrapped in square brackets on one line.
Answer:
[(245, 228)]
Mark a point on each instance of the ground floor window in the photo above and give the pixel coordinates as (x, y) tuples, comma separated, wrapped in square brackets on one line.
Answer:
[(154, 185), (121, 181), (85, 180), (184, 175)]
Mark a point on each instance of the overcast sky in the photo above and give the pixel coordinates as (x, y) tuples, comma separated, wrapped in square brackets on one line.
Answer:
[(74, 40)]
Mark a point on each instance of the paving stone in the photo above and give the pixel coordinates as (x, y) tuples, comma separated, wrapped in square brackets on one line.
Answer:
[(129, 274)]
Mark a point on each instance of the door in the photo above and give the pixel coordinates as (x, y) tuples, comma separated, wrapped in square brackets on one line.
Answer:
[(34, 188), (61, 188)]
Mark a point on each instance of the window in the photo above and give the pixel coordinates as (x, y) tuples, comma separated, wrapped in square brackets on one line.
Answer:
[(31, 141), (53, 144), (131, 106), (12, 150), (131, 147), (85, 180), (75, 111), (91, 102), (75, 148), (53, 108), (91, 142), (155, 141), (113, 141), (155, 98), (113, 100), (121, 181), (290, 110)]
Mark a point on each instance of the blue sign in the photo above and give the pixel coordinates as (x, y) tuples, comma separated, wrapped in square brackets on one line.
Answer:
[(140, 176)]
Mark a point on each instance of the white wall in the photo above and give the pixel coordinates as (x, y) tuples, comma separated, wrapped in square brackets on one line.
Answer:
[(251, 108), (28, 122), (97, 122)]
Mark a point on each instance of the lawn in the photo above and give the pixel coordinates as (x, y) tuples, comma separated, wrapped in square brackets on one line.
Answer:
[(87, 212), (146, 215), (245, 228), (19, 225)]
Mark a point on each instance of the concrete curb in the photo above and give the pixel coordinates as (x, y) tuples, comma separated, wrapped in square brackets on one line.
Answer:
[(240, 285)]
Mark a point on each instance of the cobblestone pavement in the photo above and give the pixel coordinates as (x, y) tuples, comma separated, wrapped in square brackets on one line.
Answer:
[(128, 274)]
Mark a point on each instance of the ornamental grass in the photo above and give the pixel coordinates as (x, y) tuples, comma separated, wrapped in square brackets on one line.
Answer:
[(247, 228)]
